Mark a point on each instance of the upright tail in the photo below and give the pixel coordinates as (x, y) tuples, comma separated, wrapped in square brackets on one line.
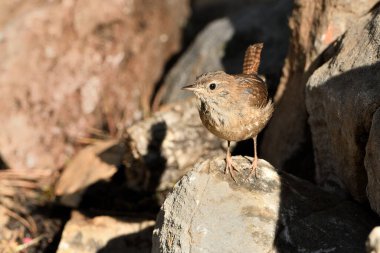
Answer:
[(252, 58)]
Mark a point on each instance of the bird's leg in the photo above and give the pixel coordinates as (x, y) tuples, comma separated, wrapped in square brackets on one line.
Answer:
[(254, 163), (229, 165)]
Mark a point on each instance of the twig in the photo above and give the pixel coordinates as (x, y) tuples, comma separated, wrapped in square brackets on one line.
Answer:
[(30, 243), (20, 219), (21, 183)]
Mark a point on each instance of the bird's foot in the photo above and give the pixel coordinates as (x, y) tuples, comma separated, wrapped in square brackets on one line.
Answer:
[(230, 167), (254, 168)]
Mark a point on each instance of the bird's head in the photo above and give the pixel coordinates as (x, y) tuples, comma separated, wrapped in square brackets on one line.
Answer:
[(212, 86)]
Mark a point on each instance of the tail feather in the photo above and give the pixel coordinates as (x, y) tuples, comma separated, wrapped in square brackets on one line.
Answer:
[(252, 59)]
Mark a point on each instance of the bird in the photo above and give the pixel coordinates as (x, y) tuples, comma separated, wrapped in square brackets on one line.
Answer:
[(235, 107)]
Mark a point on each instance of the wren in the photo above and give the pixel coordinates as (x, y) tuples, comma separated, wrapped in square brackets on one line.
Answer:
[(235, 107)]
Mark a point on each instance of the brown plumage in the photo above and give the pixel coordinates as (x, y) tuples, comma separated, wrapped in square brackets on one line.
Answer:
[(252, 59), (234, 107)]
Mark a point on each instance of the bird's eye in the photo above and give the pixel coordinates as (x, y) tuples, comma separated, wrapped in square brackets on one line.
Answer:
[(212, 86)]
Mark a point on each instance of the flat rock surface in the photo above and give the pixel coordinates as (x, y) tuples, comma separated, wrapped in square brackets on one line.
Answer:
[(209, 212), (104, 234)]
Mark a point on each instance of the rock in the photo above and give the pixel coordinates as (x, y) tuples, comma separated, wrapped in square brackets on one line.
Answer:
[(161, 149), (66, 66), (92, 164), (10, 9), (342, 97), (103, 234), (204, 55), (222, 44), (314, 26), (207, 211), (373, 242), (372, 162)]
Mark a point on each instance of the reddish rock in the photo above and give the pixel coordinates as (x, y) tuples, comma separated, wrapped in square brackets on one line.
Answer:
[(66, 66)]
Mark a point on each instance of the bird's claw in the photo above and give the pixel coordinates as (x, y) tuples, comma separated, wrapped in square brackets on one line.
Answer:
[(254, 168), (230, 168)]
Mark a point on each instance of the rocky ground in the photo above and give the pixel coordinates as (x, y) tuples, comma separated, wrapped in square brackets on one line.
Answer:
[(100, 150)]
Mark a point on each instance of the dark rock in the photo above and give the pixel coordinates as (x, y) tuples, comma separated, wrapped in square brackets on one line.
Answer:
[(314, 26), (342, 97), (372, 162)]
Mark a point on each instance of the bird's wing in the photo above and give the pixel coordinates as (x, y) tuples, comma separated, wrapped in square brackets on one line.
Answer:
[(252, 88)]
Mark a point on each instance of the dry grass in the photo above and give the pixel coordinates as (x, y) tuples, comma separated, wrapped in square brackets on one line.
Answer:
[(20, 191)]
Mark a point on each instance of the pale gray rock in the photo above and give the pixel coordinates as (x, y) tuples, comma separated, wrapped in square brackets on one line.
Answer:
[(162, 148), (373, 242), (342, 97), (105, 234), (204, 55), (275, 212)]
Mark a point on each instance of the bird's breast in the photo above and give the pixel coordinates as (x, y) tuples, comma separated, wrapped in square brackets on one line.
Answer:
[(233, 124)]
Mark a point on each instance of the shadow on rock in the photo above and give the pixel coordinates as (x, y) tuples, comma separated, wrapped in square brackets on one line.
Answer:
[(139, 242), (253, 26), (341, 110), (154, 160), (330, 221), (115, 197)]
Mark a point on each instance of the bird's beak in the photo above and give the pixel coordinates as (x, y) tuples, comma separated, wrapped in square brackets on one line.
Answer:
[(189, 87)]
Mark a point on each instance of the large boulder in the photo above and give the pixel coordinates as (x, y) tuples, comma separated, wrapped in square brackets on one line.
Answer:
[(314, 26), (275, 212), (372, 162), (66, 66), (343, 101)]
